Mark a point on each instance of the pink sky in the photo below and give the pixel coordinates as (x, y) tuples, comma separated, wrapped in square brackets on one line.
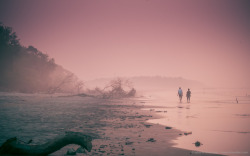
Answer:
[(200, 40)]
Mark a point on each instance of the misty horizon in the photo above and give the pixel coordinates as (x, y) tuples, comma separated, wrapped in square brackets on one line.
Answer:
[(203, 41)]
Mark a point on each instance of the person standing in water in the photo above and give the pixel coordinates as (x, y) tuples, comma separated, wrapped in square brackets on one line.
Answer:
[(188, 95), (180, 93)]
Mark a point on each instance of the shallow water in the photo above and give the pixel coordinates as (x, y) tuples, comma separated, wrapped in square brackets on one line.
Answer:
[(214, 117), (42, 117)]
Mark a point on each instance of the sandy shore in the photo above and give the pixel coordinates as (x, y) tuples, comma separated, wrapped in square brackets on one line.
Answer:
[(122, 129), (118, 127)]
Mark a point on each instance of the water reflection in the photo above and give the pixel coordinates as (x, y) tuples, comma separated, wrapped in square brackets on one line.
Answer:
[(215, 119)]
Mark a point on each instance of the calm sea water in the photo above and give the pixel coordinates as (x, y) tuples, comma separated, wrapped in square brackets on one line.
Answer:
[(214, 117), (42, 117)]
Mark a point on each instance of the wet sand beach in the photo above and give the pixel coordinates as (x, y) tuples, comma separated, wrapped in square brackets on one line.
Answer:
[(118, 127)]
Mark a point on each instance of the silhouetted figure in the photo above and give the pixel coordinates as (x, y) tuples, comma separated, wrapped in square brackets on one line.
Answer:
[(180, 93), (237, 100), (188, 95)]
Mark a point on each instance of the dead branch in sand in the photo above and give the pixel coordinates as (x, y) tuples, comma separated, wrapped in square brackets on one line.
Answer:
[(117, 88), (15, 146)]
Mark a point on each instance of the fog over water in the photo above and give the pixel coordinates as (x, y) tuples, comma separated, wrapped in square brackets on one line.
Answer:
[(206, 41)]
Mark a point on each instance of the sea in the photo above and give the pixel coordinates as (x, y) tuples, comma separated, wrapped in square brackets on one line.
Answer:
[(218, 118)]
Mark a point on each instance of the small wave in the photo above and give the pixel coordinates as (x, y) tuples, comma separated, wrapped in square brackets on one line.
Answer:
[(232, 131), (243, 115)]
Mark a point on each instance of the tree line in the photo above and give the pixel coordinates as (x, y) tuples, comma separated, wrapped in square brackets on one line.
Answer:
[(26, 69)]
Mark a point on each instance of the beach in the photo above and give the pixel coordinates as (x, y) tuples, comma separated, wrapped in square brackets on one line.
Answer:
[(125, 77), (213, 117), (118, 126)]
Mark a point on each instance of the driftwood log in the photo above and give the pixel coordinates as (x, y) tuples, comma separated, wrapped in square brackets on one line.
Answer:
[(14, 146)]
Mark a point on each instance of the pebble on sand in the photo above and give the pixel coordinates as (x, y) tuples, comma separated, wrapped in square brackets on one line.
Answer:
[(151, 140), (187, 133), (197, 143), (129, 143)]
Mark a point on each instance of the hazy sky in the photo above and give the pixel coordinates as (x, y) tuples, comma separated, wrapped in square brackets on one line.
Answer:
[(206, 40)]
